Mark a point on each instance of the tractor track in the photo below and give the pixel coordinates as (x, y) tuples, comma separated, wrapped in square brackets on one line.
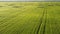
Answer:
[(45, 21), (44, 15)]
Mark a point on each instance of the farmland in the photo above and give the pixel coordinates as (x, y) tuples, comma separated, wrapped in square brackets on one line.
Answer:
[(29, 17)]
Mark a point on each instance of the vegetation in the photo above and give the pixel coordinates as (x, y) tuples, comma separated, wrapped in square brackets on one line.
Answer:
[(29, 17)]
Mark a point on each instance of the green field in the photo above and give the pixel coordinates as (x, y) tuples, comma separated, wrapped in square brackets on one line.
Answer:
[(29, 17)]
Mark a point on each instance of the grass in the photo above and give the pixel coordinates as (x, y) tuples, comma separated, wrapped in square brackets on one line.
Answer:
[(29, 17)]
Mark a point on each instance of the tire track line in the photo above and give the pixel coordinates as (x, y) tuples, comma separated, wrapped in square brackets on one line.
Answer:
[(41, 21), (45, 21)]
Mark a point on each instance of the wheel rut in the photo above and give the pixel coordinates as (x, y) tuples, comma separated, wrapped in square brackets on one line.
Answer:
[(44, 17)]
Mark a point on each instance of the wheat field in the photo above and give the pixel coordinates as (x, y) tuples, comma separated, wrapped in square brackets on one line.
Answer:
[(29, 17)]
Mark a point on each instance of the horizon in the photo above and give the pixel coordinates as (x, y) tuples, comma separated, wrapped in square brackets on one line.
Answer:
[(29, 0)]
